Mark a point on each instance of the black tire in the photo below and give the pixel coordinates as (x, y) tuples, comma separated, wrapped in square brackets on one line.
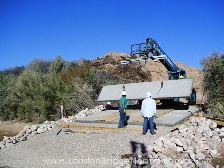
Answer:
[(192, 99)]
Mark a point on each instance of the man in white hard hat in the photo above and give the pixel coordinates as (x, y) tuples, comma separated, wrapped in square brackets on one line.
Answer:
[(122, 109), (148, 111)]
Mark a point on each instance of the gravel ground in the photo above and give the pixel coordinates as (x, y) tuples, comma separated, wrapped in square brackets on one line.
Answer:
[(91, 149)]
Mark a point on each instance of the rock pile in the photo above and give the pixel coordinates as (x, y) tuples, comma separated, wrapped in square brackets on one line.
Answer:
[(30, 131), (27, 133), (84, 113), (190, 145)]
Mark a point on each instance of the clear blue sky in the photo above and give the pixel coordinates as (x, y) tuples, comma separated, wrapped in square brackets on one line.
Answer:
[(187, 30)]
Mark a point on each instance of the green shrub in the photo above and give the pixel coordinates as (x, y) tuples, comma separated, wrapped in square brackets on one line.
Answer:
[(213, 82)]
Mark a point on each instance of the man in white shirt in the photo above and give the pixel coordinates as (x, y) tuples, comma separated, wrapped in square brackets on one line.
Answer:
[(148, 111)]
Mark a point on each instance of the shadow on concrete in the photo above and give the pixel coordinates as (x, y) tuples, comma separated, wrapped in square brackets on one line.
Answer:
[(182, 107)]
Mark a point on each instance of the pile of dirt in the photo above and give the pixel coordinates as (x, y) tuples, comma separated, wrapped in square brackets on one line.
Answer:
[(129, 73), (141, 72)]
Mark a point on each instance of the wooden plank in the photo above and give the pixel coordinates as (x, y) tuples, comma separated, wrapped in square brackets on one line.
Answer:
[(104, 128)]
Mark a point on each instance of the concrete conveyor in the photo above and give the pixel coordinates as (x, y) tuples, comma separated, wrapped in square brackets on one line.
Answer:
[(159, 89)]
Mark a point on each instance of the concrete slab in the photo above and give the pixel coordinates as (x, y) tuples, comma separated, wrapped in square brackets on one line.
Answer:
[(170, 119), (110, 117), (175, 117), (159, 90)]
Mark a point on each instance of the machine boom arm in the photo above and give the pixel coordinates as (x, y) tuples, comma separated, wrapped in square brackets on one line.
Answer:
[(151, 50)]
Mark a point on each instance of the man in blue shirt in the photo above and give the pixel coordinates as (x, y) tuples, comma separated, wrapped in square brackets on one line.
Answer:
[(122, 109), (148, 110)]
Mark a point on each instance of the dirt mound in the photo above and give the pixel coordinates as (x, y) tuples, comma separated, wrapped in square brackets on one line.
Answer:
[(130, 73), (141, 72)]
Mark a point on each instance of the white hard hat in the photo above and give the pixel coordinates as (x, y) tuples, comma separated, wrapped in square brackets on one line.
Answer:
[(148, 94), (123, 93)]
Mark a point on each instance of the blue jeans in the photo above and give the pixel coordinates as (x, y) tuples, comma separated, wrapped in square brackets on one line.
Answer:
[(148, 121), (122, 115)]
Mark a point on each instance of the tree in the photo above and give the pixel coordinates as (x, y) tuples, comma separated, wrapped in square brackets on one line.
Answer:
[(213, 82), (6, 110)]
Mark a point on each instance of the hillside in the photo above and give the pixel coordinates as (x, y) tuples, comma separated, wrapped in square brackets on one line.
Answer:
[(151, 71)]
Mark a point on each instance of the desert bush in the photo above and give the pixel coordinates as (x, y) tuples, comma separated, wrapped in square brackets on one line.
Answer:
[(6, 108), (213, 82)]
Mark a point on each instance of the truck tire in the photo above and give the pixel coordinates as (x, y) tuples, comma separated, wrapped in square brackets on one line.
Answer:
[(192, 99)]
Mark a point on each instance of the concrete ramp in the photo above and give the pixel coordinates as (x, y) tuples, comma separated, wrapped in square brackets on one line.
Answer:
[(159, 90)]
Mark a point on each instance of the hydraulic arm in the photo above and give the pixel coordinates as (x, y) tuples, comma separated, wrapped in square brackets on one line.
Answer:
[(151, 50)]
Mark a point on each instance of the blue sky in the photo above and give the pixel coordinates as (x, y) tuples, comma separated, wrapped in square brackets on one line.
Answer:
[(187, 30)]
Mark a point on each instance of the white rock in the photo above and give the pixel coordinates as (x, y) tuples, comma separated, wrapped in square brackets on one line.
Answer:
[(213, 152), (28, 131), (200, 156), (205, 164), (34, 133), (161, 156), (183, 129), (14, 141), (34, 127), (2, 145), (217, 130), (178, 142), (40, 130), (207, 134), (177, 165), (162, 139), (221, 134), (159, 144), (213, 125), (46, 122), (179, 149), (26, 127), (222, 129), (192, 155), (8, 141), (169, 144), (5, 138), (45, 129), (157, 149)]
